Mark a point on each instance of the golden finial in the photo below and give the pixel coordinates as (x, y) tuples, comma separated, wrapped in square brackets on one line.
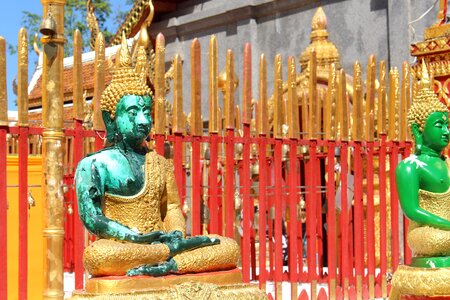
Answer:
[(123, 59), (326, 51), (319, 21), (425, 101)]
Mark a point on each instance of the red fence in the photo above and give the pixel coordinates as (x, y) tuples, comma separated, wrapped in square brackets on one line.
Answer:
[(282, 200)]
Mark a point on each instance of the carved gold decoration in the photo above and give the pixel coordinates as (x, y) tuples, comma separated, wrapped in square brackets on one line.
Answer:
[(425, 101), (420, 282), (326, 51), (132, 18), (108, 257), (184, 291), (125, 81), (217, 257), (92, 23)]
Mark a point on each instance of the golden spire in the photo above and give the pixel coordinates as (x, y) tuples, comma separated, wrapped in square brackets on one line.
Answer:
[(123, 56), (425, 102), (326, 51)]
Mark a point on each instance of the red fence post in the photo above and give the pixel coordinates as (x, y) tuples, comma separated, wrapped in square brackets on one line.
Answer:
[(311, 215), (331, 220), (79, 238), (383, 215), (262, 211), (393, 160), (196, 182), (229, 183), (407, 251), (3, 214), (213, 184), (370, 224), (278, 180), (358, 218), (23, 212), (344, 223), (293, 234), (247, 206)]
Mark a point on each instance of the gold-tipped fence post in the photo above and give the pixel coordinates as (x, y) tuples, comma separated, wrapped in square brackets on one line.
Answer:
[(53, 150), (393, 104), (405, 96), (381, 116), (330, 105), (312, 107), (3, 88), (78, 105), (99, 83), (358, 105), (213, 86), (22, 79), (292, 101), (370, 98), (261, 115), (159, 84), (342, 107), (277, 97)]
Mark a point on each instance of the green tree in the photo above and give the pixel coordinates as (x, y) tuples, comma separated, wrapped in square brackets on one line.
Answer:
[(74, 18)]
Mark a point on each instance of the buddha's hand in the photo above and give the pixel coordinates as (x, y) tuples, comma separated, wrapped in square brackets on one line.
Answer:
[(178, 244), (148, 238)]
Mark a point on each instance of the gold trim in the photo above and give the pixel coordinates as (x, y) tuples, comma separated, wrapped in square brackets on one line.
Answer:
[(186, 290), (123, 284), (421, 281)]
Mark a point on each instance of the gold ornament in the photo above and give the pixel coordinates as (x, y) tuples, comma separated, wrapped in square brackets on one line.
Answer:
[(125, 81), (425, 102)]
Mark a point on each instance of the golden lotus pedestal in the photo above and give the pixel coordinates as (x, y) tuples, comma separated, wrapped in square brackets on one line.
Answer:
[(414, 283), (211, 285)]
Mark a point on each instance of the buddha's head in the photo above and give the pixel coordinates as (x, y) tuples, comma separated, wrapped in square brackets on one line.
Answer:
[(428, 117), (126, 104)]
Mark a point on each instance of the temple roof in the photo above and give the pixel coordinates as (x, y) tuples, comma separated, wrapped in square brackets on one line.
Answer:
[(139, 13)]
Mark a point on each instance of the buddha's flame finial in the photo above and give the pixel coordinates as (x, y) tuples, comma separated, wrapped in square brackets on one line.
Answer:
[(425, 79), (123, 59), (425, 101), (319, 21)]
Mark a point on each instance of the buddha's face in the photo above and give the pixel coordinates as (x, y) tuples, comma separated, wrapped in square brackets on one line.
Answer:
[(133, 119), (435, 133)]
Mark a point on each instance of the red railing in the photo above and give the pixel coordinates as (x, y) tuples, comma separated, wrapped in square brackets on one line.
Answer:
[(336, 251)]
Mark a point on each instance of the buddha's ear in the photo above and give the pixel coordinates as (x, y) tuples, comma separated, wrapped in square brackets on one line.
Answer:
[(110, 126), (417, 137)]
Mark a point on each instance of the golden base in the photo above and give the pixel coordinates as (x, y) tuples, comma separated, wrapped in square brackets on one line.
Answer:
[(211, 285), (186, 290), (121, 284), (413, 281)]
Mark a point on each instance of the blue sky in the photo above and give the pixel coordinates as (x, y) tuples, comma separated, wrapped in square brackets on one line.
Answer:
[(10, 23)]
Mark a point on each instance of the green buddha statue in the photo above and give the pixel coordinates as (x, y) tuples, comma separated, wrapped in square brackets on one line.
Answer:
[(128, 197), (423, 185)]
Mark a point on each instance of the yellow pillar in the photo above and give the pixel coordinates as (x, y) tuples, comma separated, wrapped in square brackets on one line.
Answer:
[(52, 148)]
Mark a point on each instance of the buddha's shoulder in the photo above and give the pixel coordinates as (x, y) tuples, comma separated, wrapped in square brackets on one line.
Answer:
[(102, 157)]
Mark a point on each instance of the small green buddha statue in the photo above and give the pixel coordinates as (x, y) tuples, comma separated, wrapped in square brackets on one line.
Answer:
[(128, 198), (423, 185)]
